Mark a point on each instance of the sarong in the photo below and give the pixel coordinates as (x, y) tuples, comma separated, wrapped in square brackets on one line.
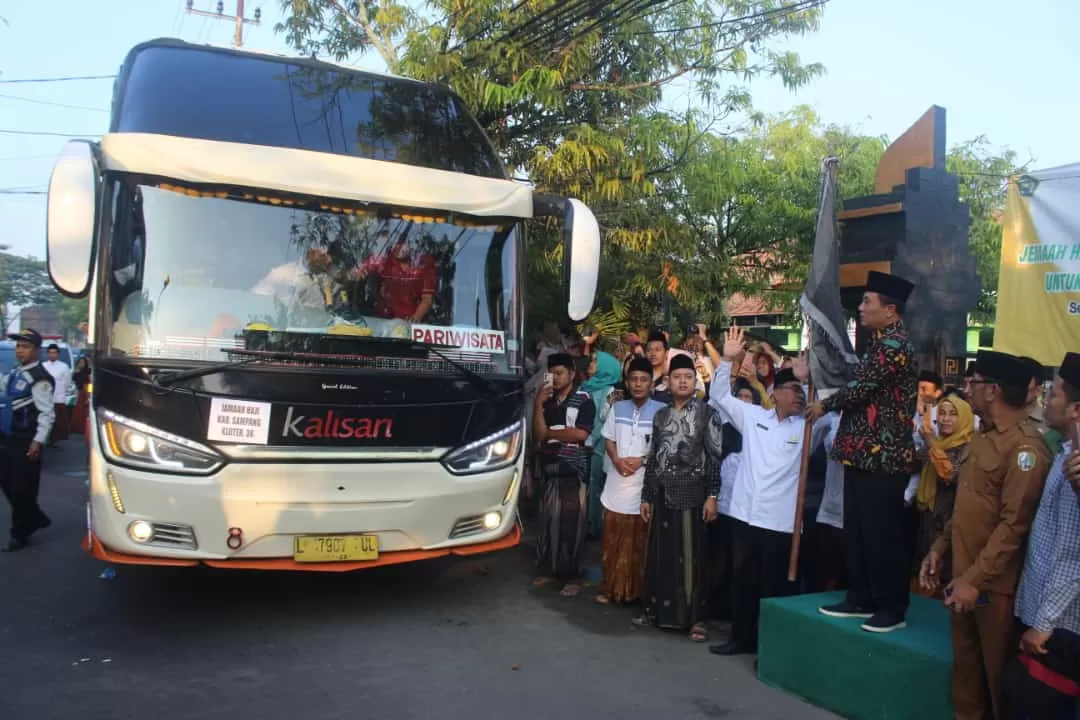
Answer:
[(562, 522), (675, 593), (624, 557)]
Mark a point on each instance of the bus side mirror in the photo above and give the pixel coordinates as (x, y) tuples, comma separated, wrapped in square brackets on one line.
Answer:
[(581, 259), (71, 224)]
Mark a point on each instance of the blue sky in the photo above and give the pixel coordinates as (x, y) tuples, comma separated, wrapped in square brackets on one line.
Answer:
[(1000, 68)]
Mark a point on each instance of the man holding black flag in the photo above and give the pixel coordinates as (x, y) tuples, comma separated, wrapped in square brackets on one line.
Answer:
[(875, 444)]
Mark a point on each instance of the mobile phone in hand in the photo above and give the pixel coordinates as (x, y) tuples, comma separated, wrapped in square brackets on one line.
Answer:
[(549, 379)]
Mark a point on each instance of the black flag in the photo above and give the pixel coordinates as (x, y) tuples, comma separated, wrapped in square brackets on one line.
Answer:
[(831, 358)]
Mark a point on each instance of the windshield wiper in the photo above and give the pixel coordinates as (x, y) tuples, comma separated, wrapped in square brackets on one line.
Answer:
[(477, 380), (167, 379)]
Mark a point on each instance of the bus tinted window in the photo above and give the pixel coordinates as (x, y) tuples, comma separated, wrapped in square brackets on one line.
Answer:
[(213, 95)]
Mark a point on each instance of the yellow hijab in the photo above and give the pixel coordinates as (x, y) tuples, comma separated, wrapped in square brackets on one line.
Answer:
[(939, 464)]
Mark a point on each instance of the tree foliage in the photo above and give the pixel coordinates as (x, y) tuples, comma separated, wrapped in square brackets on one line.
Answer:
[(984, 172), (695, 204), (25, 281), (570, 93)]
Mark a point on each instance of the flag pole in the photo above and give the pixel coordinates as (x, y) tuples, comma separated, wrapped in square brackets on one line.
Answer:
[(820, 277), (800, 501)]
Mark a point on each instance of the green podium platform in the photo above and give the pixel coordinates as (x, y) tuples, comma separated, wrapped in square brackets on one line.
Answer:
[(858, 675)]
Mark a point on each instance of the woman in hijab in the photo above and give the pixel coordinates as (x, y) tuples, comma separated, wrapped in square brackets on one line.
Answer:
[(605, 372), (936, 491)]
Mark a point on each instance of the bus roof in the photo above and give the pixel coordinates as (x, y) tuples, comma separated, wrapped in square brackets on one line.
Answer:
[(269, 54), (315, 174)]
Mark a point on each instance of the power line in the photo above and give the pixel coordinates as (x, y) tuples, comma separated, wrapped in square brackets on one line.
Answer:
[(50, 103), (47, 134), (23, 192), (784, 10), (66, 78)]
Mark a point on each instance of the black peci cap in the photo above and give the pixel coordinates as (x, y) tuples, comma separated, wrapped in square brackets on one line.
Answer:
[(680, 362), (1070, 369), (892, 286), (1003, 368)]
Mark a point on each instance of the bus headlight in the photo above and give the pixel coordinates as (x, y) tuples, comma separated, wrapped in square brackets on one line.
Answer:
[(130, 442), (493, 452)]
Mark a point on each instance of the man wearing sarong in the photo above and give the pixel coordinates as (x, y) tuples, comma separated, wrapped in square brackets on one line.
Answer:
[(562, 423), (677, 500), (627, 435)]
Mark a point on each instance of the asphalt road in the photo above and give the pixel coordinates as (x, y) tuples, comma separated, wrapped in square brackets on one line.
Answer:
[(454, 639)]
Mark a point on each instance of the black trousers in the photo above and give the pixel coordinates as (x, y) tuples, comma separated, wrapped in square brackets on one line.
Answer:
[(878, 544), (20, 479), (759, 570), (718, 553)]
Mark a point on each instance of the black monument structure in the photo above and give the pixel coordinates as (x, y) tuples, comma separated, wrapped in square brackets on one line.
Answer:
[(915, 226)]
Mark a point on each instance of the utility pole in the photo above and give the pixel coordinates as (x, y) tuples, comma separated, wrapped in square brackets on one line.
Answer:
[(238, 18)]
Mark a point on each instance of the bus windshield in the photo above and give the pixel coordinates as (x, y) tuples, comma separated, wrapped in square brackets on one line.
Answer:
[(203, 274)]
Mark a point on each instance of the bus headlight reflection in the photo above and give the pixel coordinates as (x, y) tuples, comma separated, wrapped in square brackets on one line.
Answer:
[(496, 451), (129, 442)]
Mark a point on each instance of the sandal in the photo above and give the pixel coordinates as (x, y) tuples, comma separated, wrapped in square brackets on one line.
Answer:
[(570, 590), (540, 581), (699, 633), (641, 621), (602, 599)]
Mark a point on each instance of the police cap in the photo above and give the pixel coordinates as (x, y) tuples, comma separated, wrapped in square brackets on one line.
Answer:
[(29, 335)]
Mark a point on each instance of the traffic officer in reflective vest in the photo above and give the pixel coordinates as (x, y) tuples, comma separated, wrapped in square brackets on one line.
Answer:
[(26, 417)]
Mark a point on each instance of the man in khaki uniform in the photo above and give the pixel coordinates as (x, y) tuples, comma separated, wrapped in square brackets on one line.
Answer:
[(999, 486)]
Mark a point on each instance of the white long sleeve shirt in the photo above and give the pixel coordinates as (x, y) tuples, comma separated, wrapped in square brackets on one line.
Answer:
[(61, 374), (766, 485)]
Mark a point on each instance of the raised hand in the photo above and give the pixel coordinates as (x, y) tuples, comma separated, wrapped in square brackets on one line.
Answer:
[(733, 343)]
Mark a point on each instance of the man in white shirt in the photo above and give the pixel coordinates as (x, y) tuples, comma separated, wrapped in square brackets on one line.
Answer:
[(61, 375), (627, 435), (765, 491)]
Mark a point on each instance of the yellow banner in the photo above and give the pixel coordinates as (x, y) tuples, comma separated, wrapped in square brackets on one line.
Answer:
[(1038, 303)]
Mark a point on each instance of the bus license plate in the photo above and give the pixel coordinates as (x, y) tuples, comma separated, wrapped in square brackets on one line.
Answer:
[(336, 548)]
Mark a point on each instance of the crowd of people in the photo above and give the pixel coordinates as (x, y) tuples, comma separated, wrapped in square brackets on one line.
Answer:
[(685, 464)]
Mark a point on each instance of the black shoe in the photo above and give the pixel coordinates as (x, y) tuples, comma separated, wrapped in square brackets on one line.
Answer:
[(845, 610), (884, 622), (43, 522), (728, 648), (14, 545)]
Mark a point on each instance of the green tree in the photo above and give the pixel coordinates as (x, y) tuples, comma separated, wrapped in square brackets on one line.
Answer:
[(570, 94), (72, 313), (984, 172), (23, 281)]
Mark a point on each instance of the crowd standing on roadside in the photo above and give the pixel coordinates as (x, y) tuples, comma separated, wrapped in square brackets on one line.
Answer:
[(685, 462)]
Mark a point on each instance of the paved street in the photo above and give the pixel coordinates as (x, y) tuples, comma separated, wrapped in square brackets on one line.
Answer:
[(457, 639)]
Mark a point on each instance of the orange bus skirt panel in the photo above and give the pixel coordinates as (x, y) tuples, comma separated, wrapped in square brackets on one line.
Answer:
[(99, 551)]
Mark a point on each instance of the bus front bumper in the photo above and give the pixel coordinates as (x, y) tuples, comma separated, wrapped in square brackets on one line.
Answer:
[(248, 515)]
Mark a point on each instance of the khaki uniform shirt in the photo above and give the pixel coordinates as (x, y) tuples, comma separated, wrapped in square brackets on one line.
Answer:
[(999, 484)]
